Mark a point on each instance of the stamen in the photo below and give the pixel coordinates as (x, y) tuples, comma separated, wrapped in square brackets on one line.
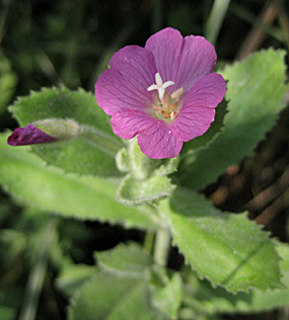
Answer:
[(167, 106), (177, 93), (166, 100), (173, 106), (173, 115)]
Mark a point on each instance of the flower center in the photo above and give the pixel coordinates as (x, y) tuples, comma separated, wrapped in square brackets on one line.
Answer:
[(167, 106)]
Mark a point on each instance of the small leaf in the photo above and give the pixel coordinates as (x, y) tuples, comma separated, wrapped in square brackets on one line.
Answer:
[(218, 300), (91, 152), (141, 166), (168, 167), (123, 161), (146, 182), (132, 192), (227, 249), (25, 176), (128, 260), (72, 277), (7, 313), (13, 243), (105, 297), (255, 90), (166, 292)]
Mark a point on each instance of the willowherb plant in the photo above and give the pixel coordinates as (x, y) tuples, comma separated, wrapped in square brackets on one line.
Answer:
[(167, 95)]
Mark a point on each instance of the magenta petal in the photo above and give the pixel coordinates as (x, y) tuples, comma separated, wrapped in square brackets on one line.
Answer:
[(197, 113), (208, 91), (182, 60), (192, 122), (165, 46), (29, 135), (158, 142), (197, 59), (124, 85), (136, 65), (127, 124), (154, 136)]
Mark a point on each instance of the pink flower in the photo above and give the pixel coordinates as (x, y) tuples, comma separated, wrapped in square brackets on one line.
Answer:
[(165, 92), (29, 135)]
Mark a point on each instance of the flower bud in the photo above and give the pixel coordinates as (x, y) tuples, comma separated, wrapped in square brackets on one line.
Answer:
[(29, 135), (44, 131)]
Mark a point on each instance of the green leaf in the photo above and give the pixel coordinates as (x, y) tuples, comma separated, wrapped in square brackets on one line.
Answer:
[(227, 249), (166, 292), (11, 298), (209, 300), (8, 82), (25, 176), (91, 152), (13, 243), (132, 261), (7, 313), (168, 166), (132, 192), (255, 91), (106, 297), (128, 260), (146, 181), (72, 277), (129, 286)]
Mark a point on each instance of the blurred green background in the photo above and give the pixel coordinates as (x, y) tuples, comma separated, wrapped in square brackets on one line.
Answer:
[(46, 43)]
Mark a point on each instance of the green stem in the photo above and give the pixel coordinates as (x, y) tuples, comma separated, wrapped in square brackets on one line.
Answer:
[(37, 274), (216, 19), (102, 141), (162, 246), (148, 241)]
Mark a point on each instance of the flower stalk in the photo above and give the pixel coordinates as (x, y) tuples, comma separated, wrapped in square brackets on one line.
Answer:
[(102, 141), (162, 246)]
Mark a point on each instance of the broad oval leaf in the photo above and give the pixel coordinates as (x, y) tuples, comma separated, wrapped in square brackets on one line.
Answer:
[(105, 297), (227, 249), (27, 177), (128, 260), (73, 276), (133, 192), (7, 313), (218, 300), (167, 290), (92, 152)]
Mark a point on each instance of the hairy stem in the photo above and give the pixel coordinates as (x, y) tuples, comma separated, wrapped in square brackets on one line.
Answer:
[(162, 246), (102, 141)]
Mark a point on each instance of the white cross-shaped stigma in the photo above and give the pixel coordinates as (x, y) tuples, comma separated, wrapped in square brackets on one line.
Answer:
[(160, 86)]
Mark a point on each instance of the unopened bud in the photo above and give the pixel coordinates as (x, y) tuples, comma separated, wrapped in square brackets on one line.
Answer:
[(29, 135), (44, 131)]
